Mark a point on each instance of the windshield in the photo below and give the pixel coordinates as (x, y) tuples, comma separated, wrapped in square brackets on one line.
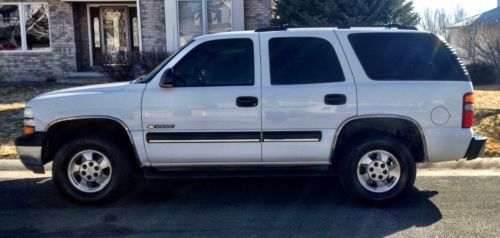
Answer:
[(148, 77)]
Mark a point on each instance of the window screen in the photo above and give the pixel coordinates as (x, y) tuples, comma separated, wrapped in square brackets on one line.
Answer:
[(303, 60), (217, 63), (406, 56)]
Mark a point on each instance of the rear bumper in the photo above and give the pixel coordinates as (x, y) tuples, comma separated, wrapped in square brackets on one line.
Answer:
[(476, 147), (29, 149)]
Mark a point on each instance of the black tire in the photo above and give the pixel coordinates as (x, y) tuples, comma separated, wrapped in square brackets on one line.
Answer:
[(121, 164), (363, 145)]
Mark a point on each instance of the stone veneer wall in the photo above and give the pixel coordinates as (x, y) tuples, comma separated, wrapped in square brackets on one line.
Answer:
[(258, 13), (153, 25), (38, 66)]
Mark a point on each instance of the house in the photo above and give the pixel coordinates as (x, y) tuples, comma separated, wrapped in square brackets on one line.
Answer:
[(41, 39), (475, 39)]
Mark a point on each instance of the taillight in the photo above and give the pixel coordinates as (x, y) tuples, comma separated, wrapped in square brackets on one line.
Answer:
[(468, 111)]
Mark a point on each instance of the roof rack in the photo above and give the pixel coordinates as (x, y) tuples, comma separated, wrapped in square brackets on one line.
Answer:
[(287, 26), (276, 28), (388, 26)]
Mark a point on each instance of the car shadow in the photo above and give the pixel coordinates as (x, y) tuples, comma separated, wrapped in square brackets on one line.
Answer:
[(217, 207)]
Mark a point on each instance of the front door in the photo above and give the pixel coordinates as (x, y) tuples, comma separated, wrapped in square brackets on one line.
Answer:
[(212, 115), (113, 32)]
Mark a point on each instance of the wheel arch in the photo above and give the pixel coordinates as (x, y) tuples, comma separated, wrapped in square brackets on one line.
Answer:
[(350, 123), (52, 128)]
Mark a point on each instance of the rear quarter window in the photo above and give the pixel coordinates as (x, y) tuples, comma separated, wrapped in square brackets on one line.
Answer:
[(407, 56)]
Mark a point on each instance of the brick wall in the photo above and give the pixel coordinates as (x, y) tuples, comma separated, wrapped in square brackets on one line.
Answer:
[(37, 66), (153, 25), (258, 13)]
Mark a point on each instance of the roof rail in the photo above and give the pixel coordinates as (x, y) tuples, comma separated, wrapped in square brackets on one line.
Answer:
[(287, 26), (388, 26), (276, 28)]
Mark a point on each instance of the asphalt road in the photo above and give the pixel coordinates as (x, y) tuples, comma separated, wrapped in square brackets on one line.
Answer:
[(279, 207)]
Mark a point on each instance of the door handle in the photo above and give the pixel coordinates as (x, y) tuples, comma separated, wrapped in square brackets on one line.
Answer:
[(335, 99), (247, 101)]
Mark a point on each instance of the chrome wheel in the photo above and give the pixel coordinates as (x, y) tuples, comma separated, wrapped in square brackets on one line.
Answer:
[(378, 171), (89, 171)]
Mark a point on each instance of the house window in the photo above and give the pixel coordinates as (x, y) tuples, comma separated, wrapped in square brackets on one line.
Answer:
[(24, 27), (97, 33), (10, 28), (198, 17), (135, 32)]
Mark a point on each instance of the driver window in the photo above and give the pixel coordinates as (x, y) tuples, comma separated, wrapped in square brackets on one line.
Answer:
[(217, 63)]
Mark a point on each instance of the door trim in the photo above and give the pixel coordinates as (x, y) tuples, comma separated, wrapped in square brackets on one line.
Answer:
[(233, 137), (203, 137), (292, 136)]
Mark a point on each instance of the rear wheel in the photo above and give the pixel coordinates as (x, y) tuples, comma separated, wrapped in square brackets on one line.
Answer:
[(92, 170), (377, 168)]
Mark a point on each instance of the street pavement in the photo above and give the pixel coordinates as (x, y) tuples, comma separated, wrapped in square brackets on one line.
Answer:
[(438, 206)]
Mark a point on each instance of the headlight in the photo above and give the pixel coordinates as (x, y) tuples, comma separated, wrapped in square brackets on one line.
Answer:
[(28, 113), (29, 121)]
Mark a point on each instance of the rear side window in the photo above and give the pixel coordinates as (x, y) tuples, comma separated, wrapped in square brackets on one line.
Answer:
[(407, 56), (303, 60)]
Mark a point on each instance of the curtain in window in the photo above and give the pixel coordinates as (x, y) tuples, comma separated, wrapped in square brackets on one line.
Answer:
[(10, 28)]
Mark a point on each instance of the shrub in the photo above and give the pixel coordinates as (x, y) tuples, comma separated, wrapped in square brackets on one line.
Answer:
[(151, 59), (120, 67), (483, 74), (128, 66), (49, 78)]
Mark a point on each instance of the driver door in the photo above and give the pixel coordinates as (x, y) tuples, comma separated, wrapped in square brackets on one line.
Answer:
[(212, 114)]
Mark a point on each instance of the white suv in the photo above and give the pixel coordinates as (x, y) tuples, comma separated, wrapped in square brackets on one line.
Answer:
[(364, 103)]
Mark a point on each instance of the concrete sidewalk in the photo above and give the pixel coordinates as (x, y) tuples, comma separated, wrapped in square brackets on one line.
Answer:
[(477, 164)]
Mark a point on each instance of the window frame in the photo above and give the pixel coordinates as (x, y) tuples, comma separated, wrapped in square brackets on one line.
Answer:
[(253, 84), (338, 59), (22, 19)]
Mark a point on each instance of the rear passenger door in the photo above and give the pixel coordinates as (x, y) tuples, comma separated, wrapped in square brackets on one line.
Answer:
[(307, 92)]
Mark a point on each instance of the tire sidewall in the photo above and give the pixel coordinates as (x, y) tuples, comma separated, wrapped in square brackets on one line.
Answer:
[(353, 155), (119, 164)]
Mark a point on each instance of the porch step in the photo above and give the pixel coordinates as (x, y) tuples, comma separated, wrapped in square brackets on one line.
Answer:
[(86, 77)]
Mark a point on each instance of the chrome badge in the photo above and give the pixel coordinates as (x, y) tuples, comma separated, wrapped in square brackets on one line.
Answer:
[(161, 126)]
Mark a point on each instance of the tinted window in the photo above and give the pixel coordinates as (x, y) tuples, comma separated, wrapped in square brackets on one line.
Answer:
[(406, 56), (303, 60), (217, 63)]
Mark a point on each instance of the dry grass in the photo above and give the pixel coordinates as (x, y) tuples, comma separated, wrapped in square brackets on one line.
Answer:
[(14, 96), (488, 119)]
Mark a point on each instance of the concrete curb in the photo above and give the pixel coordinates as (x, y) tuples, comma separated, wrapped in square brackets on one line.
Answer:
[(477, 164)]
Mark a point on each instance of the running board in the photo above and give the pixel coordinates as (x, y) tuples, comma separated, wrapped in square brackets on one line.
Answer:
[(154, 173)]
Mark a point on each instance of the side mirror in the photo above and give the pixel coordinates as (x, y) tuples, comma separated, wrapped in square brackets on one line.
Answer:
[(167, 79)]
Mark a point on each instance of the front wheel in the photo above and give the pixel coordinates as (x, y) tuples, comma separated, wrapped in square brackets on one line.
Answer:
[(91, 170), (377, 168)]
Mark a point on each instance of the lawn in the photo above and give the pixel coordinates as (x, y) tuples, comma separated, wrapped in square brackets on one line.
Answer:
[(14, 96)]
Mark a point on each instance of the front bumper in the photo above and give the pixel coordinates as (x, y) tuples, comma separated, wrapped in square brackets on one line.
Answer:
[(476, 147), (29, 149)]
